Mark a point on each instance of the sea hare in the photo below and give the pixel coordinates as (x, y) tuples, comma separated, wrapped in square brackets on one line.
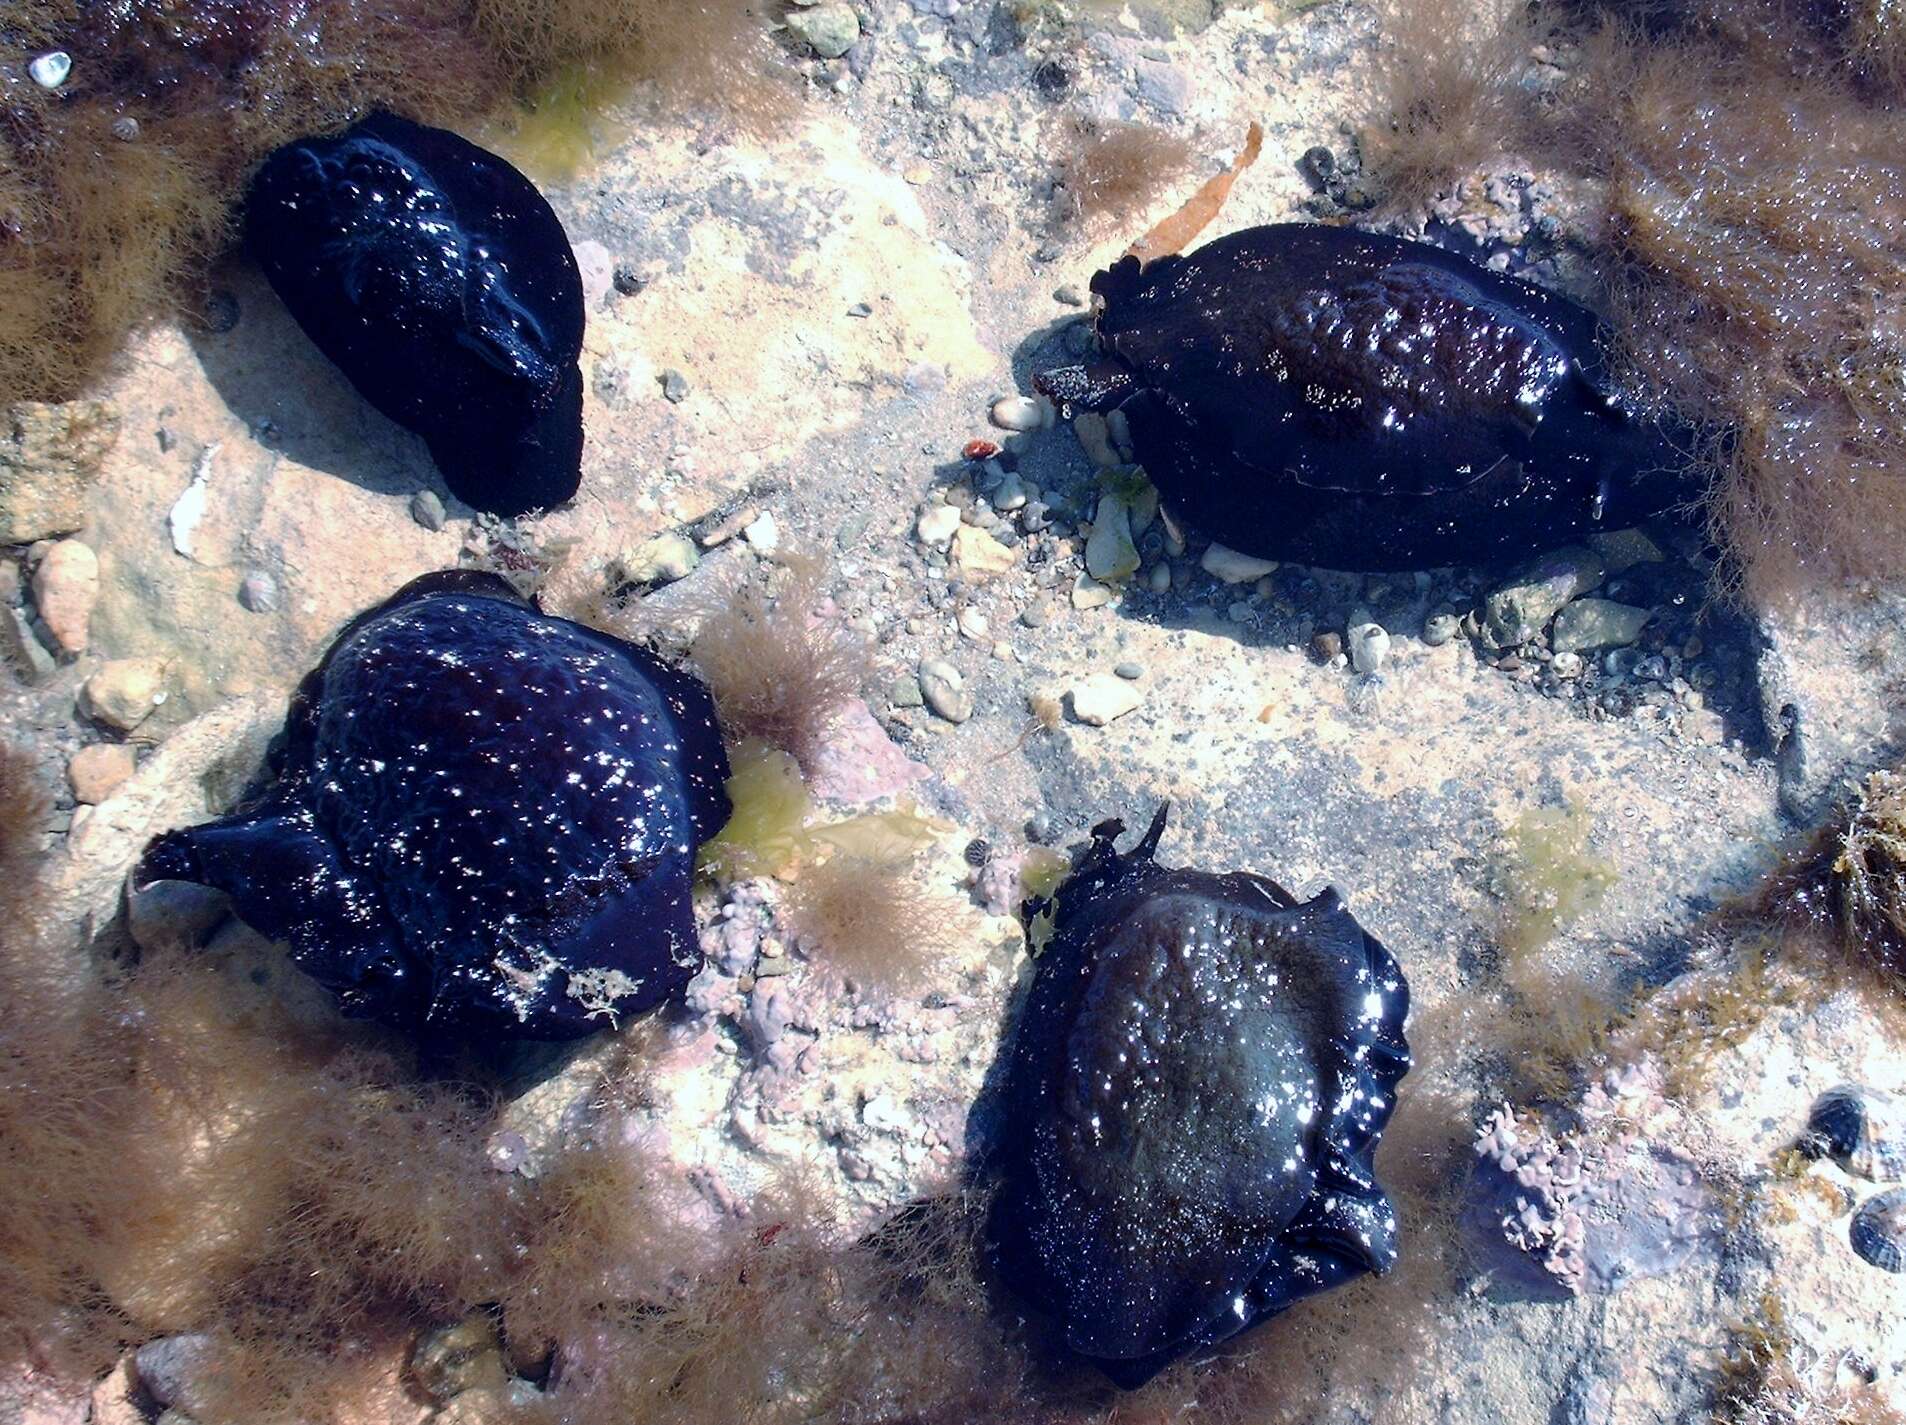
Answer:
[(439, 281), (483, 820), (1365, 402), (1189, 1107)]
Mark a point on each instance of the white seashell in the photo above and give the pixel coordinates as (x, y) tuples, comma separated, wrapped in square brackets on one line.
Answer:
[(49, 70)]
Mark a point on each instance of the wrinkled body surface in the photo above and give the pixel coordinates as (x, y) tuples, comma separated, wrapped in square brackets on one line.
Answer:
[(1191, 1100), (1358, 401), (484, 819), (440, 282)]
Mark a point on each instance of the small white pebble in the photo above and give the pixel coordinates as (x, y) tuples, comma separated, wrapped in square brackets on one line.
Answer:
[(1022, 412), (1369, 646), (49, 70)]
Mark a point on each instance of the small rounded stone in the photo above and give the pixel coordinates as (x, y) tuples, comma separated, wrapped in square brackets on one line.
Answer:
[(1439, 629), (96, 772), (426, 507)]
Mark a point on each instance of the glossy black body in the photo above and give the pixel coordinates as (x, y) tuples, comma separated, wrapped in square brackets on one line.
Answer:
[(483, 820), (1357, 401), (1189, 1106), (440, 282)]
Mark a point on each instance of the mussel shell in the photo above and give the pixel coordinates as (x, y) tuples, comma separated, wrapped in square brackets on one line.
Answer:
[(1878, 1230)]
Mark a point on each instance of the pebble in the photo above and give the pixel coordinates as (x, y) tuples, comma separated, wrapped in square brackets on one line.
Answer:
[(1369, 646), (1327, 646), (762, 534), (1110, 554), (1598, 623), (1095, 438), (97, 771), (627, 280), (1623, 549), (177, 916), (426, 507), (464, 1356), (1022, 413), (904, 692), (1231, 567), (258, 591), (979, 554), (1035, 615), (1519, 610), (1158, 578), (1011, 493), (49, 459), (829, 30), (674, 386), (49, 70), (65, 590), (122, 693), (1133, 671), (936, 526), (1089, 593), (1439, 629), (1566, 665), (973, 624), (662, 559), (1098, 699), (1069, 296), (945, 691), (166, 1367), (23, 646)]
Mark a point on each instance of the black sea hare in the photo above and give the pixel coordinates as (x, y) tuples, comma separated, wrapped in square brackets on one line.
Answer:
[(441, 283), (483, 819), (1365, 402), (1193, 1095)]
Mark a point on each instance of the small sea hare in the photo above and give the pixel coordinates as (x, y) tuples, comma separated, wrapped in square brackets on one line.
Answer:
[(483, 819), (440, 282), (1366, 402), (1190, 1105)]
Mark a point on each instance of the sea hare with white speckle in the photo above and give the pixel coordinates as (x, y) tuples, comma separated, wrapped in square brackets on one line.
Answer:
[(1190, 1105), (441, 283), (483, 820)]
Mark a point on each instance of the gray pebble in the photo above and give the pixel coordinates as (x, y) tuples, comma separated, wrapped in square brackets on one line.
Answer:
[(426, 507), (945, 690), (674, 386), (1132, 671), (258, 591), (627, 280), (1068, 297), (905, 692), (1439, 629)]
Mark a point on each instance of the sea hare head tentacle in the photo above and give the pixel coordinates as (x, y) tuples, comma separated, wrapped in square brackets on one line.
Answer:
[(1194, 1090)]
